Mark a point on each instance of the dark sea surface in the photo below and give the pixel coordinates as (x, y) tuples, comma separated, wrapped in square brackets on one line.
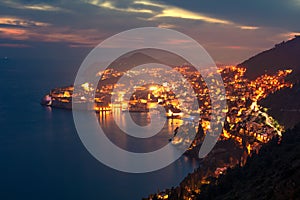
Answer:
[(41, 155)]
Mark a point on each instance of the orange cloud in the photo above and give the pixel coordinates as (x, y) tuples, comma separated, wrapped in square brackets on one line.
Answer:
[(176, 41), (165, 25), (13, 33), (20, 22), (77, 38), (236, 47), (290, 35)]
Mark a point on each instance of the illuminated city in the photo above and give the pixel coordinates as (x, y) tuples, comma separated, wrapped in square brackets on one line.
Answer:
[(149, 100), (247, 123)]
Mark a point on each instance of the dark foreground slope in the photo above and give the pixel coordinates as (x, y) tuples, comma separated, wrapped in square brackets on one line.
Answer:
[(272, 174), (284, 105)]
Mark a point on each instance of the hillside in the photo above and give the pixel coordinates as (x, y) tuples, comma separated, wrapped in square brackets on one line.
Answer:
[(145, 56), (283, 105), (285, 55), (272, 174)]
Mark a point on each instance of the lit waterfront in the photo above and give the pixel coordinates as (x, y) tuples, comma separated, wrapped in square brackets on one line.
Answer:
[(244, 115)]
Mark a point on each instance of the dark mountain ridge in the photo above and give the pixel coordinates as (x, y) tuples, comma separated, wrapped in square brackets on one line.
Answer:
[(285, 55)]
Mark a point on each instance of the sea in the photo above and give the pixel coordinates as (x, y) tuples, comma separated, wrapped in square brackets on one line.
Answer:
[(41, 155)]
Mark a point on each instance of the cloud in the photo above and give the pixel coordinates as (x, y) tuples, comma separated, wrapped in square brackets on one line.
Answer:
[(111, 6), (185, 14), (172, 41), (147, 3), (166, 25), (12, 45), (289, 35), (39, 6), (236, 47), (248, 27), (43, 7), (157, 10), (14, 21), (262, 13), (225, 30), (75, 38), (17, 28), (169, 11), (13, 33)]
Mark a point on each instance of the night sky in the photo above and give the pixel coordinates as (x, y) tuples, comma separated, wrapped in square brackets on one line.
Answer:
[(231, 31)]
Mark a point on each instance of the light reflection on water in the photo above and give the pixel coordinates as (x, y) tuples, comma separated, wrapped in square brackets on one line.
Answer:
[(42, 157), (127, 142), (43, 153)]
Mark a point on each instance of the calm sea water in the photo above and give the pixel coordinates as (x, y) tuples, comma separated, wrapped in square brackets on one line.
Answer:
[(41, 155)]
